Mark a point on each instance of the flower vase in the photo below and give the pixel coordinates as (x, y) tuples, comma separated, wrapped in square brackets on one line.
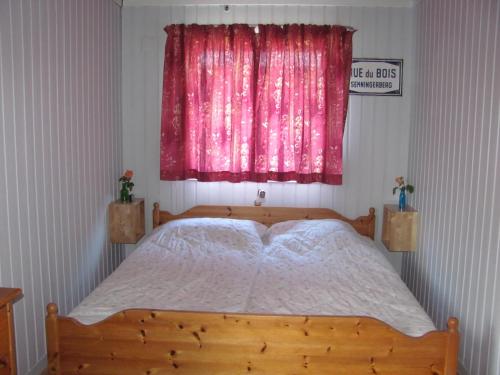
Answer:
[(124, 195), (402, 200)]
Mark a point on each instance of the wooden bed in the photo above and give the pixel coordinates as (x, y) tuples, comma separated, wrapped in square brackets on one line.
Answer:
[(145, 341)]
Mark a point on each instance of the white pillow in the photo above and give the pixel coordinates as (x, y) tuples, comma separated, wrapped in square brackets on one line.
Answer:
[(217, 234), (302, 236)]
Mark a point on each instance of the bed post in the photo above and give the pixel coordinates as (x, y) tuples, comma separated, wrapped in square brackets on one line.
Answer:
[(52, 332), (450, 367), (156, 214), (371, 225)]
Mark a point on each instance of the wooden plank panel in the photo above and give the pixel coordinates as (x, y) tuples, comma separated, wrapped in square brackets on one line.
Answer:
[(454, 158), (365, 225), (388, 158), (162, 342), (55, 124)]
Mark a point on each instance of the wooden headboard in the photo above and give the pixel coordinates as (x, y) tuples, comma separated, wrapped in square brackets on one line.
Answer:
[(364, 225)]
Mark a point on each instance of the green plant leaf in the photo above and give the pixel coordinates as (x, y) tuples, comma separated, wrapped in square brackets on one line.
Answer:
[(410, 188), (394, 190)]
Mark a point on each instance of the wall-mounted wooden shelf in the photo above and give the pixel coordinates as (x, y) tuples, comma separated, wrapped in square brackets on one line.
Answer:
[(126, 221), (399, 231)]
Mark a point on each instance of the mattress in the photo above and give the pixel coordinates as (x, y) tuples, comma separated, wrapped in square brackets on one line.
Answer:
[(309, 267)]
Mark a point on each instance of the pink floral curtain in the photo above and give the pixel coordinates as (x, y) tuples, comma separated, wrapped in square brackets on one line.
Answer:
[(239, 105), (207, 127)]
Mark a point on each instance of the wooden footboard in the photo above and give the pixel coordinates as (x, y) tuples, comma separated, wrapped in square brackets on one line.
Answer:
[(195, 343)]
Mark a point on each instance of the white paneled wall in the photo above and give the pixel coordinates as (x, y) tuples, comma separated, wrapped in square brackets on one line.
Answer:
[(376, 137), (60, 155), (455, 164)]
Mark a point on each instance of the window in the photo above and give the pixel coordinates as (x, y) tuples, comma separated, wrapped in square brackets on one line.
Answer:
[(245, 106)]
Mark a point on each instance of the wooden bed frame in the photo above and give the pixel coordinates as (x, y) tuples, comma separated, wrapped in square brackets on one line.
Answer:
[(365, 225), (151, 342)]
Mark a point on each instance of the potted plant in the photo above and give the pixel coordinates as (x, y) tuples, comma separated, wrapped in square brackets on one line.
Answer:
[(403, 188), (127, 186)]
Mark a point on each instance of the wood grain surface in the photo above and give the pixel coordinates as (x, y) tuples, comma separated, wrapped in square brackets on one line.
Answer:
[(192, 343), (364, 225), (8, 365)]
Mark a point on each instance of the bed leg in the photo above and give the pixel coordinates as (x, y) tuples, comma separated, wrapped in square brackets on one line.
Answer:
[(52, 332), (452, 347)]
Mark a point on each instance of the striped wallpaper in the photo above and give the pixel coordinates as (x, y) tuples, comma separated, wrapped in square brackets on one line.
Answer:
[(377, 130), (60, 155), (455, 164)]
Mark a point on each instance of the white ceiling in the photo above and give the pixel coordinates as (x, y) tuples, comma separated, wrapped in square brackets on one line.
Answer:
[(362, 3)]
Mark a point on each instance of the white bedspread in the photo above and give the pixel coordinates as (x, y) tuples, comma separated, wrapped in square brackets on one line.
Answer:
[(316, 267)]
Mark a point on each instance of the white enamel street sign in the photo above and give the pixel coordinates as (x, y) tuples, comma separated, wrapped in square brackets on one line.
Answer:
[(376, 77)]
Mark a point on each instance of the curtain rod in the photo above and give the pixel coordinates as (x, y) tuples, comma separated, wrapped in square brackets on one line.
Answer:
[(256, 26), (348, 28)]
